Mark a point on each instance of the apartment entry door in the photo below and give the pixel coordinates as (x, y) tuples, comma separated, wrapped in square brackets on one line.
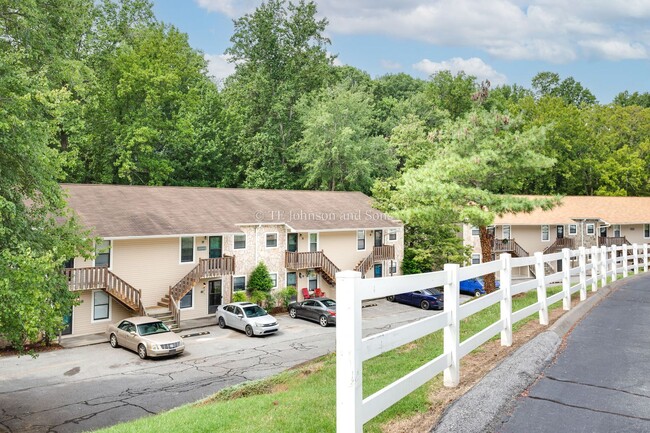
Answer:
[(379, 238), (214, 295), (216, 247)]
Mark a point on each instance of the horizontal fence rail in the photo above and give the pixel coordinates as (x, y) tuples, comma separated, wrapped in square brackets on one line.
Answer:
[(589, 267)]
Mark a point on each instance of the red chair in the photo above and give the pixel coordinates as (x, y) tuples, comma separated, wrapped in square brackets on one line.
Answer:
[(305, 293), (319, 293)]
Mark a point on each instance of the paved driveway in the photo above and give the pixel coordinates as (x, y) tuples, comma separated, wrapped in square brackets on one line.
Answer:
[(90, 387)]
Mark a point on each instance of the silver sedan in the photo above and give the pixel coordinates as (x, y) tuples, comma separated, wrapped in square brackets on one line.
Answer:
[(247, 317)]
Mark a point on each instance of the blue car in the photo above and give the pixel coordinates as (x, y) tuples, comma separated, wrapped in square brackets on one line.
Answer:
[(474, 286), (426, 299)]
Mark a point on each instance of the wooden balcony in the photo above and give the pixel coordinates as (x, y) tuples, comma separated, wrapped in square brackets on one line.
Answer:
[(508, 246), (206, 268), (312, 260), (614, 240), (559, 244), (383, 252), (100, 278)]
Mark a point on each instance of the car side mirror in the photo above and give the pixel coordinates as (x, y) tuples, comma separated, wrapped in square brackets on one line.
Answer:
[(241, 316), (132, 333)]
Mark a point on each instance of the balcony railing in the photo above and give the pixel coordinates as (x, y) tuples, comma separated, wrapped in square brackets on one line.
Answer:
[(614, 240), (311, 260), (382, 252), (559, 244), (101, 278), (206, 268)]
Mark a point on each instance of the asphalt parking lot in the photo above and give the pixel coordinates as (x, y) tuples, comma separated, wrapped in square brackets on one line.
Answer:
[(89, 387)]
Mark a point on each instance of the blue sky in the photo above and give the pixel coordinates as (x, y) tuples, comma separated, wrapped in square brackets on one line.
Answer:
[(604, 44)]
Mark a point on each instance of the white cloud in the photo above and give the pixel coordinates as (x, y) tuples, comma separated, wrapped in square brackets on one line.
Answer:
[(472, 66), (218, 66), (390, 65), (550, 30)]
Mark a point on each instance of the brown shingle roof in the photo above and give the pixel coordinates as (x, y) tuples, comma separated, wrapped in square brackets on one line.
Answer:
[(613, 210), (123, 211)]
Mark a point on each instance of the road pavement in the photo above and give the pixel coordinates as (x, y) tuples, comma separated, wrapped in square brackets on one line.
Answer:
[(587, 373), (89, 387)]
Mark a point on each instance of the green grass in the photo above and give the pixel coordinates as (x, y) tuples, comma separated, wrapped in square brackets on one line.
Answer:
[(304, 399)]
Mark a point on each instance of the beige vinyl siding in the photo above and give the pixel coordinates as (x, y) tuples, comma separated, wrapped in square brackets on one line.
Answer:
[(82, 323)]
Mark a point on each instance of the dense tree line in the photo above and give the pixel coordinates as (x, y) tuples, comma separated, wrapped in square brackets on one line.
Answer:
[(102, 92)]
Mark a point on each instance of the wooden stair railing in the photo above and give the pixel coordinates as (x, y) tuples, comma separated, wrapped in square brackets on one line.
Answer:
[(100, 278), (383, 252), (312, 260), (558, 245), (508, 246), (206, 268)]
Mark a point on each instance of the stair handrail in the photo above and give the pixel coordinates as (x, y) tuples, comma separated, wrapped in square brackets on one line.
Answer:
[(311, 260), (364, 265), (101, 278), (559, 244), (328, 267), (174, 308), (180, 289)]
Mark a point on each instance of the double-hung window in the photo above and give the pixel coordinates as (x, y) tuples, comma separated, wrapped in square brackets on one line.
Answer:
[(361, 240), (187, 249), (546, 233)]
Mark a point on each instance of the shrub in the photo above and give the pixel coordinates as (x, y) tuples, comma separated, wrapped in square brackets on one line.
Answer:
[(262, 298), (285, 296), (260, 279), (239, 297)]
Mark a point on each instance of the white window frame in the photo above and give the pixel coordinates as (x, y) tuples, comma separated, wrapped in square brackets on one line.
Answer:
[(646, 229), (357, 239), (92, 307), (110, 254), (548, 232), (286, 279), (590, 229), (392, 235), (180, 250), (614, 230), (573, 229), (503, 231), (233, 283), (309, 241), (266, 240), (475, 256), (309, 278), (234, 242), (392, 267), (476, 231), (193, 303), (275, 286)]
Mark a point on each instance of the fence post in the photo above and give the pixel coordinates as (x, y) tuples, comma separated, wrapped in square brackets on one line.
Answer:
[(566, 278), (635, 256), (645, 257), (603, 265), (349, 392), (582, 262), (506, 299), (614, 263), (594, 268), (541, 288), (624, 248), (452, 331)]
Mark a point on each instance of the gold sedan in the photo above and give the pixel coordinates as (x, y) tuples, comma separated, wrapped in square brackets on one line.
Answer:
[(147, 336)]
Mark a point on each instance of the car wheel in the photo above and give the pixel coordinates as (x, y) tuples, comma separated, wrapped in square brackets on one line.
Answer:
[(477, 293), (249, 330), (142, 351), (390, 298), (322, 320), (222, 323), (113, 341), (424, 305), (292, 313)]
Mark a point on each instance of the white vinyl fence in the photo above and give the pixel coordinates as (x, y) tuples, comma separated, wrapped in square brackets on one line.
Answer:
[(592, 266)]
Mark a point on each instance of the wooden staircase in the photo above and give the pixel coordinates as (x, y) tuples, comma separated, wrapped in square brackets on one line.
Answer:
[(383, 252), (511, 247), (165, 315), (100, 278), (316, 260)]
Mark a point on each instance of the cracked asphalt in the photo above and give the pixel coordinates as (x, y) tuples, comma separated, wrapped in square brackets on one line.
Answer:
[(90, 387), (599, 380)]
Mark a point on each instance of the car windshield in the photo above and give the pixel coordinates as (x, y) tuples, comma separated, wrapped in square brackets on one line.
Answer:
[(434, 292), (328, 303), (152, 328), (254, 311)]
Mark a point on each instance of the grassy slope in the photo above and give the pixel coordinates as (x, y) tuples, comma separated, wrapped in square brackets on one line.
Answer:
[(304, 399)]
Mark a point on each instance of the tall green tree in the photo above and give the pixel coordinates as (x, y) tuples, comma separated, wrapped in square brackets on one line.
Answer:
[(37, 232), (570, 90), (280, 54), (337, 151), (626, 99), (478, 160), (452, 92)]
